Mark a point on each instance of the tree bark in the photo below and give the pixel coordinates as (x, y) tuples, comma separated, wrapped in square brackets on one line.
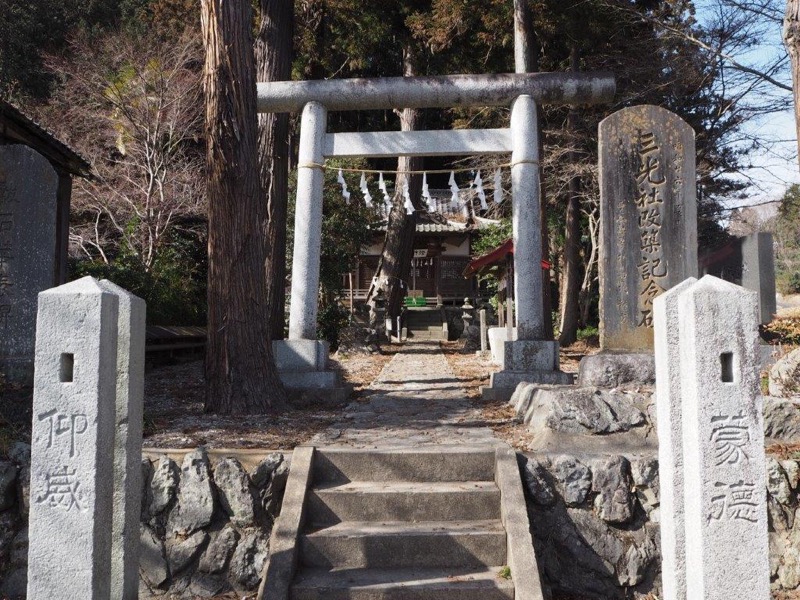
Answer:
[(791, 39), (273, 51), (241, 377), (526, 60), (571, 289), (394, 266)]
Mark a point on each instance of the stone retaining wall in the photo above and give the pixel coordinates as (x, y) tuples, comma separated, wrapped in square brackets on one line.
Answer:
[(206, 524), (595, 523), (205, 527)]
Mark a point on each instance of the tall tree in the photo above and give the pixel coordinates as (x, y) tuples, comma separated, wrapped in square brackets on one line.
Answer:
[(274, 63), (571, 287), (791, 38), (394, 265), (241, 377)]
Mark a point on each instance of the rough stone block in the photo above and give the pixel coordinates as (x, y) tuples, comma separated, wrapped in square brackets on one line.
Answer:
[(574, 478), (71, 486), (610, 370), (588, 411), (530, 355), (235, 494), (782, 418), (784, 376), (301, 355), (196, 498), (613, 483)]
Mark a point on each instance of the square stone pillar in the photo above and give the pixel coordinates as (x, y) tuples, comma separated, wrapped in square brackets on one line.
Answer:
[(709, 396), (72, 443)]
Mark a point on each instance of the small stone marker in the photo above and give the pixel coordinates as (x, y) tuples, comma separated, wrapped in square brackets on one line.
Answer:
[(648, 219), (28, 185), (72, 443), (127, 443), (758, 272), (724, 467), (670, 441)]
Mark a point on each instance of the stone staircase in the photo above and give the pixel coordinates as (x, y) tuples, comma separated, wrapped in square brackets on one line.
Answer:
[(438, 523), (425, 324)]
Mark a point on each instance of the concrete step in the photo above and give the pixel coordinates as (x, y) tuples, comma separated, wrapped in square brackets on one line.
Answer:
[(442, 463), (402, 584), (403, 544), (404, 501)]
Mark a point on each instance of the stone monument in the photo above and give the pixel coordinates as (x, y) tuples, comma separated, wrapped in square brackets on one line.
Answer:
[(707, 361), (648, 229), (28, 185), (758, 272), (85, 490), (72, 443)]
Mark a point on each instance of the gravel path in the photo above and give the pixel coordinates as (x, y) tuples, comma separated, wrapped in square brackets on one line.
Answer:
[(416, 399)]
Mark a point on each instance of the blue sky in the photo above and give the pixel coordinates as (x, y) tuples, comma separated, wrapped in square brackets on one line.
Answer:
[(774, 165)]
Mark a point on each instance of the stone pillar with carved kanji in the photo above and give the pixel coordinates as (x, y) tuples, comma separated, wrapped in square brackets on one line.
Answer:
[(648, 234), (72, 443), (708, 381)]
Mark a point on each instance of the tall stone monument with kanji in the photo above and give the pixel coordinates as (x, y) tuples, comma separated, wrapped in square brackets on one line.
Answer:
[(648, 230)]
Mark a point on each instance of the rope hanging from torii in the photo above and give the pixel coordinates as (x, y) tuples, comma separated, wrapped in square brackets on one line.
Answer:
[(476, 185)]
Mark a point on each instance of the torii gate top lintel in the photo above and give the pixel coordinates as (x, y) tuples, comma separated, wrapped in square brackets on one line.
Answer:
[(445, 91)]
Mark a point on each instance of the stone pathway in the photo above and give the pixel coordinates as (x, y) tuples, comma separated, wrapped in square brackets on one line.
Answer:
[(416, 400)]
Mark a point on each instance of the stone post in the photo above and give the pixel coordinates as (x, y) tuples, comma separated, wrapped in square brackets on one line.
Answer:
[(127, 443), (670, 441), (308, 224), (725, 504), (72, 443), (482, 315), (758, 272), (526, 219)]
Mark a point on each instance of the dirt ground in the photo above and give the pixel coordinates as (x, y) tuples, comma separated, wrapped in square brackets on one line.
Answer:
[(174, 416)]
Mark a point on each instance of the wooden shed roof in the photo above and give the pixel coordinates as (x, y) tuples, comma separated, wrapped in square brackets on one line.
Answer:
[(17, 128)]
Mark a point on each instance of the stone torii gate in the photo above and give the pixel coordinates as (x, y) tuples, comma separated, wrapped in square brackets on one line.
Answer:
[(302, 359)]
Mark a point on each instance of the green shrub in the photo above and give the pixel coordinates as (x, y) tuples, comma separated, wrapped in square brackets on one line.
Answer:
[(331, 319), (174, 289)]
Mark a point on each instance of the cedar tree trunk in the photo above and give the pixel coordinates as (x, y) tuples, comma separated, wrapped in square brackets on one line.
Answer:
[(273, 51), (394, 266), (570, 293), (241, 377)]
